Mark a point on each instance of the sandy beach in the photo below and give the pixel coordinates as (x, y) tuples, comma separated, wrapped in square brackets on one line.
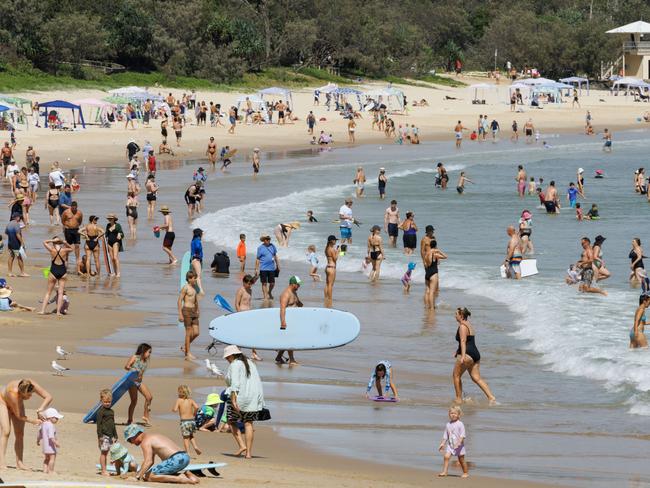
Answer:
[(108, 316)]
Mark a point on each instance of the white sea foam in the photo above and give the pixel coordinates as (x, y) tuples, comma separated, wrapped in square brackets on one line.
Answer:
[(574, 334)]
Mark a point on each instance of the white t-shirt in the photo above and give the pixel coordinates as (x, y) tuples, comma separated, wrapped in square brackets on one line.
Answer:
[(57, 177), (347, 212), (10, 170)]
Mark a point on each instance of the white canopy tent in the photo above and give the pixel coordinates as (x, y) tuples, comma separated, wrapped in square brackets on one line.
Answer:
[(329, 88), (391, 97), (276, 91), (577, 81), (535, 81), (127, 91), (102, 108), (13, 115), (521, 88), (482, 88), (257, 105), (629, 82)]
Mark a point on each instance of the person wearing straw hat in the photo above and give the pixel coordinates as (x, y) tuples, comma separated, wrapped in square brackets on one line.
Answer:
[(168, 227), (16, 205), (6, 303), (245, 397), (283, 232), (114, 237), (59, 251)]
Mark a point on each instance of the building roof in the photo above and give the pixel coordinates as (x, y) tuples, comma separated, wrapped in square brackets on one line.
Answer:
[(638, 27)]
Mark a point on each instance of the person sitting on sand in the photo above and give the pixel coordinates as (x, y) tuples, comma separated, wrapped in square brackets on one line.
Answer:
[(383, 371), (173, 460), (6, 303), (165, 148)]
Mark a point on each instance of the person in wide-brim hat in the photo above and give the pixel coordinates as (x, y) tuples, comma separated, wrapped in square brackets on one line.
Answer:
[(165, 209), (111, 216)]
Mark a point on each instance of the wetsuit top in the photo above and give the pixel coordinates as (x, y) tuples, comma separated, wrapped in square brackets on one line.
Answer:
[(373, 377), (197, 249), (470, 347), (639, 263)]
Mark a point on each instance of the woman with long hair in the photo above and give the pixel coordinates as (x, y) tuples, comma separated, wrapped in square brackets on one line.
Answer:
[(245, 398), (139, 362), (332, 254)]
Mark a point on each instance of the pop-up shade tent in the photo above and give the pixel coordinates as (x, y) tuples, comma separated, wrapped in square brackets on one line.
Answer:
[(329, 88), (256, 102), (629, 82), (127, 91), (535, 81), (4, 108), (103, 107), (391, 97), (345, 92), (577, 82), (64, 104), (283, 93), (482, 88)]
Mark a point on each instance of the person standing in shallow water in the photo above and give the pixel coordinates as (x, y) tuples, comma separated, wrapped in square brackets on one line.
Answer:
[(468, 357), (332, 255)]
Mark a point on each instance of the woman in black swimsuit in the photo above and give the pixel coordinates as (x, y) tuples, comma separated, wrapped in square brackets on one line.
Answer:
[(59, 251), (114, 238), (431, 278), (51, 202), (467, 357), (132, 214), (92, 233), (636, 257), (375, 252)]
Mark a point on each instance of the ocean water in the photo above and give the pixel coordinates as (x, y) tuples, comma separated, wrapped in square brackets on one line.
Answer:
[(574, 400), (557, 360)]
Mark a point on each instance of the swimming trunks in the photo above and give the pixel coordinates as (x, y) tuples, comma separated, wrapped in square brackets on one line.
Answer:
[(174, 464), (460, 189), (550, 206), (346, 233), (587, 276), (72, 236), (168, 240), (267, 276), (190, 317), (188, 427), (151, 197), (393, 230)]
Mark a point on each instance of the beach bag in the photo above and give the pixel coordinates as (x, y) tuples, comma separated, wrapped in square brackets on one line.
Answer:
[(265, 414)]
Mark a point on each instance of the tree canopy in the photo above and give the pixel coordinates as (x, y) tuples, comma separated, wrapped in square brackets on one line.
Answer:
[(222, 39)]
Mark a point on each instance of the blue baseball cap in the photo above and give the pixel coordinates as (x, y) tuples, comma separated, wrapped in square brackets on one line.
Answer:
[(411, 266), (3, 283)]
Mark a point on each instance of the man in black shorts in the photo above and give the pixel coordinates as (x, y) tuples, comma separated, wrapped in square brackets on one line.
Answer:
[(267, 265), (72, 219)]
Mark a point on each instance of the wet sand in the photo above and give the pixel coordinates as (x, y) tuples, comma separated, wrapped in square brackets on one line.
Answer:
[(108, 317)]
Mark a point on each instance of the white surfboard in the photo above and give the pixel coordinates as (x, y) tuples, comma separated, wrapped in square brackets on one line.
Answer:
[(307, 328), (528, 268)]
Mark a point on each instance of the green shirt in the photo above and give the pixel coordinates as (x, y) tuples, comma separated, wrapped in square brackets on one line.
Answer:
[(106, 423)]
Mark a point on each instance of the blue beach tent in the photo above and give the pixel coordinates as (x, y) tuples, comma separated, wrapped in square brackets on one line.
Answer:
[(63, 104)]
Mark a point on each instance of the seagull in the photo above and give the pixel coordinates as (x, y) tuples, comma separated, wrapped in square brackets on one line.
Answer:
[(63, 354), (212, 368), (58, 368)]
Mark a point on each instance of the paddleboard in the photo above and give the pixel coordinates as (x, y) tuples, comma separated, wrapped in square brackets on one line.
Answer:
[(107, 261), (119, 389), (384, 399), (191, 467), (307, 328), (528, 268), (223, 303)]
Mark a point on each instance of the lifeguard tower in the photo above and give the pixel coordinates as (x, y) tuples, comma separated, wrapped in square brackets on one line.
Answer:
[(634, 60)]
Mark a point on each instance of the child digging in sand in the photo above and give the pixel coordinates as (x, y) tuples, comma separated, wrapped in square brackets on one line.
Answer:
[(453, 442), (186, 408)]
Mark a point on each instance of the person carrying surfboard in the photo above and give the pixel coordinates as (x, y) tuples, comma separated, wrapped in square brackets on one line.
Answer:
[(243, 300), (289, 298)]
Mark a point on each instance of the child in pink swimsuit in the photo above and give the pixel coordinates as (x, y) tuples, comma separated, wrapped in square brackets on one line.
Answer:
[(47, 439)]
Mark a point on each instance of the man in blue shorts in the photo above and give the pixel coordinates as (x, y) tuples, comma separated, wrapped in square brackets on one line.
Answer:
[(267, 265), (392, 222), (172, 459), (345, 215)]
